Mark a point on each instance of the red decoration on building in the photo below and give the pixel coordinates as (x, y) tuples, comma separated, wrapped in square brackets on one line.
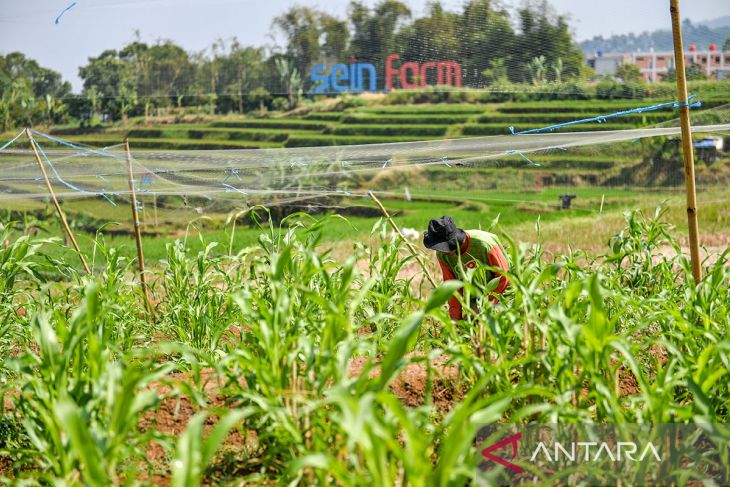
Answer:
[(692, 48), (713, 47)]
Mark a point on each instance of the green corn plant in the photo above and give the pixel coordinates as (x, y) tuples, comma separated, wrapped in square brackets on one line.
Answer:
[(22, 280), (197, 311), (195, 451), (386, 261), (300, 328), (371, 420), (282, 322), (370, 449), (295, 310), (636, 253), (80, 401), (17, 258)]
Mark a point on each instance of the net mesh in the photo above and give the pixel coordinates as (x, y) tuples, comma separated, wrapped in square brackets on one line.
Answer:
[(641, 159), (234, 126)]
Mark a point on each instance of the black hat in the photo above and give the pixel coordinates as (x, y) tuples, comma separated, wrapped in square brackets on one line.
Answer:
[(442, 235)]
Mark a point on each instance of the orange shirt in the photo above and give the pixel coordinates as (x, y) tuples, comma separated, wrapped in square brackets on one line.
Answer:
[(484, 250)]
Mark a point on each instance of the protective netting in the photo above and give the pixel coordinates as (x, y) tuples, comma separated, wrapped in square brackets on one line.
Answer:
[(647, 158), (507, 65)]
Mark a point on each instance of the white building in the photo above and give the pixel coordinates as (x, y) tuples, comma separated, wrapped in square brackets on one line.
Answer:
[(653, 64)]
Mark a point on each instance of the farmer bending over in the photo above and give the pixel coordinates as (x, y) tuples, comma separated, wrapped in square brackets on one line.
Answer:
[(457, 251)]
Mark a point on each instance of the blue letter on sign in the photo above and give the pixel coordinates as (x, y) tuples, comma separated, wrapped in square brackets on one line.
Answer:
[(361, 69), (340, 72), (320, 79)]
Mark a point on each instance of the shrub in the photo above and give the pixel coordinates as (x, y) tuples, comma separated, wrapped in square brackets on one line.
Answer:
[(280, 104)]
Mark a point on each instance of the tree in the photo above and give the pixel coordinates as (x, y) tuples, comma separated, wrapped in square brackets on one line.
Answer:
[(259, 96), (4, 114), (127, 99), (93, 95), (374, 35), (206, 78), (113, 79), (53, 109), (629, 73), (726, 45), (433, 37), (241, 71), (291, 79), (17, 101), (557, 68), (487, 39), (211, 68), (312, 37), (162, 72), (301, 28), (537, 68), (534, 46), (692, 72), (336, 34), (543, 33), (23, 83), (137, 55), (496, 72), (41, 81)]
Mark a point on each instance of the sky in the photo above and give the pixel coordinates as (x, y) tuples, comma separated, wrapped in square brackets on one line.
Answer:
[(92, 26)]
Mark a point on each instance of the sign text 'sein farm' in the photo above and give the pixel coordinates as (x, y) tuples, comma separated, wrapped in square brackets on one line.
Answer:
[(355, 76)]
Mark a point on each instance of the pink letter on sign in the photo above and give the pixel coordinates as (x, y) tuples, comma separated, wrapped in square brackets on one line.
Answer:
[(413, 67), (450, 73), (424, 71), (390, 71)]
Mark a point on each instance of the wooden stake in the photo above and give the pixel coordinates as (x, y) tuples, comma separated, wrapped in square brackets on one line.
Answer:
[(61, 215), (689, 165), (409, 245), (137, 232), (154, 203)]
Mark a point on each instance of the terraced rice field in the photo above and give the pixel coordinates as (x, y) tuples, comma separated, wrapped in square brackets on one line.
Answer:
[(375, 124)]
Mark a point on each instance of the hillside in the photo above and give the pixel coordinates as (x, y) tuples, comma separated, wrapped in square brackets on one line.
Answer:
[(648, 164), (368, 124), (701, 34)]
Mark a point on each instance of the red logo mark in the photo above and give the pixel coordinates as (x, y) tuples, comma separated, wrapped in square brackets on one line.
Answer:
[(511, 440)]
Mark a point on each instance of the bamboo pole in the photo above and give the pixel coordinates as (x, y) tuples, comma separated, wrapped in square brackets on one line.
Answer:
[(137, 232), (409, 245), (154, 203), (689, 165), (61, 214)]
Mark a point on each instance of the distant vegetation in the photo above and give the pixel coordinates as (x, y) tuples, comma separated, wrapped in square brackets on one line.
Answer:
[(397, 117), (529, 52), (531, 47), (661, 40)]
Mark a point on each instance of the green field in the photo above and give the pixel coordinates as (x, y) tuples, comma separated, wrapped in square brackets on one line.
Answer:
[(517, 214), (289, 358), (311, 349), (218, 265), (372, 124), (508, 188)]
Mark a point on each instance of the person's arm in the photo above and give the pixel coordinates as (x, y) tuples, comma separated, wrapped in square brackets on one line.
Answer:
[(496, 259), (455, 311)]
